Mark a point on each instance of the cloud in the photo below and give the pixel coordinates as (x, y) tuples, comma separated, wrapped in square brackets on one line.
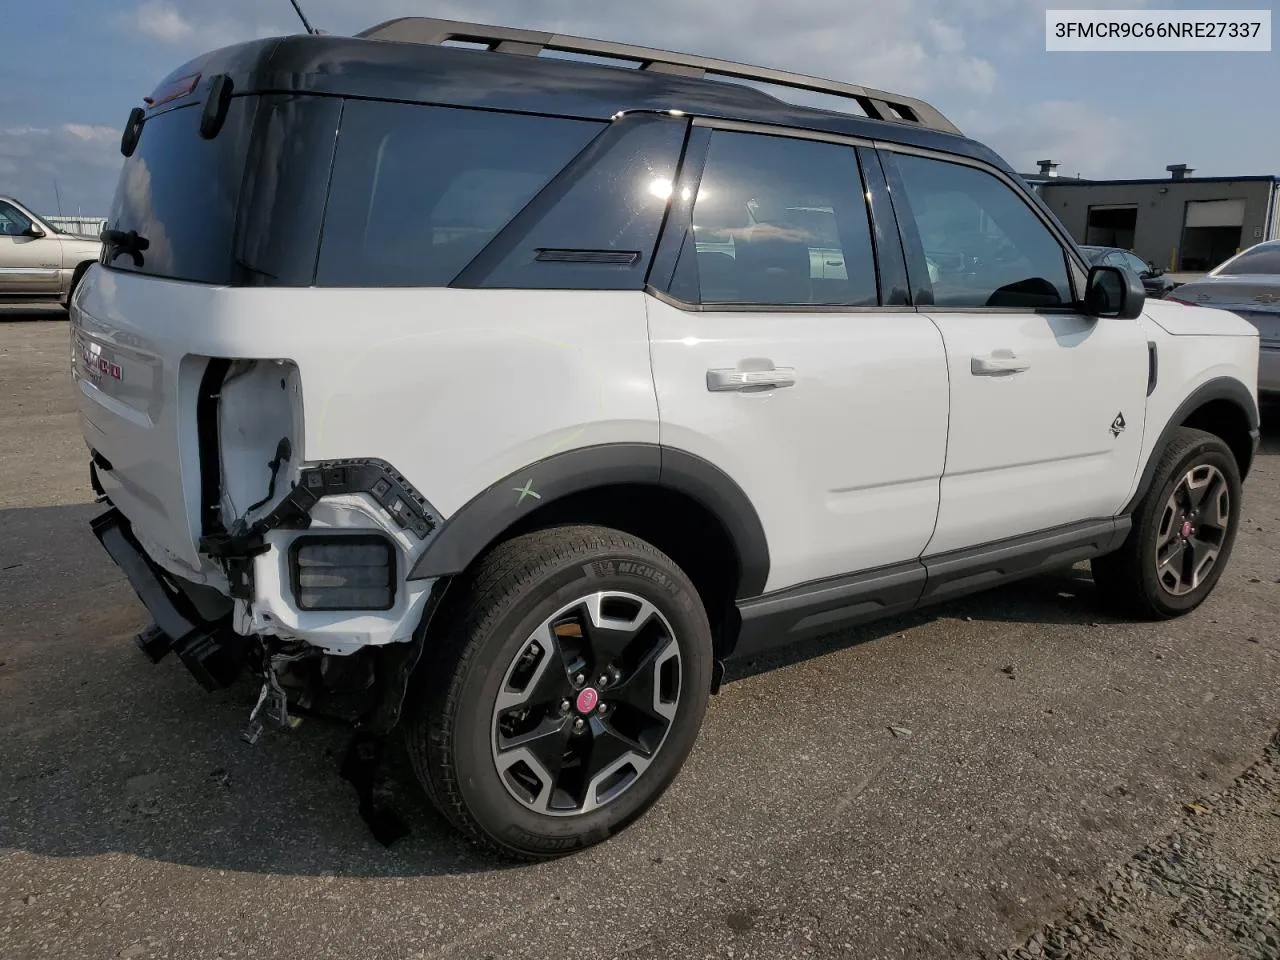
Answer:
[(1085, 139), (84, 131), (189, 28), (160, 21), (82, 159)]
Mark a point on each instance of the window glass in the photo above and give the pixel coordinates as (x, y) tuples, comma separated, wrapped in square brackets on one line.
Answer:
[(779, 221), (597, 230), (1264, 258), (1135, 263), (12, 223), (983, 244), (418, 191), (180, 193)]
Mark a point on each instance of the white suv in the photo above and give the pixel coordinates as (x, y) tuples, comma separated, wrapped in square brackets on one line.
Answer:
[(502, 400)]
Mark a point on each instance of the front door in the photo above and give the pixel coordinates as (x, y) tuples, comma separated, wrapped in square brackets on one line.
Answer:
[(774, 359), (1047, 404), (28, 265)]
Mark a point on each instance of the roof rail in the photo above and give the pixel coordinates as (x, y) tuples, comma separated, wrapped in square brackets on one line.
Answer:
[(877, 104)]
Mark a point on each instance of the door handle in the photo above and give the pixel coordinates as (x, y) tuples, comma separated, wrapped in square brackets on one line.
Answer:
[(998, 363), (733, 378)]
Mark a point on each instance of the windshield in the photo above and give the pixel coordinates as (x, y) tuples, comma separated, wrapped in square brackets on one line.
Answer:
[(1262, 259)]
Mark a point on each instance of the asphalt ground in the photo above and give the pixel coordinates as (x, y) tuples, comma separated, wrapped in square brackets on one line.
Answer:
[(1041, 745)]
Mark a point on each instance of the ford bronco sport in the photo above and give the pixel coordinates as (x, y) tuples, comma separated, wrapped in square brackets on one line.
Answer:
[(502, 400)]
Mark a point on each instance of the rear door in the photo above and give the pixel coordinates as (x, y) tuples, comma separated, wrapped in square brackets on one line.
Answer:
[(28, 265), (778, 356), (1047, 403)]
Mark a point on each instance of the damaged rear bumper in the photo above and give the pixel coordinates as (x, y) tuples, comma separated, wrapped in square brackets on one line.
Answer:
[(209, 648)]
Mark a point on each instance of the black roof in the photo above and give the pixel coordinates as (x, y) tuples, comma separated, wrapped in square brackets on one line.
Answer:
[(458, 76)]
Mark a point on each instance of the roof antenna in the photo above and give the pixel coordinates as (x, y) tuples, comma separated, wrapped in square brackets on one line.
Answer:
[(303, 17)]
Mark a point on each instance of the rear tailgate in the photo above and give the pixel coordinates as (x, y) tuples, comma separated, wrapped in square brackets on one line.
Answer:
[(137, 394)]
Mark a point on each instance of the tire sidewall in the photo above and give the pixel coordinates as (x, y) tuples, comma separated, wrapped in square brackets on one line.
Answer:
[(1208, 450), (508, 822)]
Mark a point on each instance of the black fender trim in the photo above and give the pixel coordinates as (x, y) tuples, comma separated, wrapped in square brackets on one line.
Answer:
[(484, 518), (1219, 388)]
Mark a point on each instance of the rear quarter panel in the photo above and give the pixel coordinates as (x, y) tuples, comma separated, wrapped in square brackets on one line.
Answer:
[(455, 388)]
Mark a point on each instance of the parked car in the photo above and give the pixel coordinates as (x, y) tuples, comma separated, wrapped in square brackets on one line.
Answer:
[(1153, 278), (502, 401), (38, 262), (1248, 284)]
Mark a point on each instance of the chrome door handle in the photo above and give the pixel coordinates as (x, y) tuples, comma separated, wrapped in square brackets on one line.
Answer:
[(732, 378), (998, 363)]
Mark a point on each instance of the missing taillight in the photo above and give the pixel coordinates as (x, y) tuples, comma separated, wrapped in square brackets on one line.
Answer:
[(343, 573)]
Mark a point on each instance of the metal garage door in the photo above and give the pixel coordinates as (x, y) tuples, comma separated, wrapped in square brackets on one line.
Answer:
[(1215, 213)]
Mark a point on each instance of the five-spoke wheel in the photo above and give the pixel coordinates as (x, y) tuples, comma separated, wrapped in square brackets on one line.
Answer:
[(1182, 534), (1193, 528), (569, 679), (586, 703)]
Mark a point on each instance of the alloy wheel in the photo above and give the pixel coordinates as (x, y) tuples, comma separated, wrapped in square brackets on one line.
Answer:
[(586, 703), (1192, 529)]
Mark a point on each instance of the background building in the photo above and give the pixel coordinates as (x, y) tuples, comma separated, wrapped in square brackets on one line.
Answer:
[(1180, 222)]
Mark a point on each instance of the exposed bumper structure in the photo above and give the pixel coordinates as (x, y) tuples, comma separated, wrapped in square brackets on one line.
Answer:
[(209, 648)]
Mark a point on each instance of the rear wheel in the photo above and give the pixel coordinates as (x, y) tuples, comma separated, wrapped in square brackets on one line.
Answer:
[(573, 677), (1182, 535), (75, 282)]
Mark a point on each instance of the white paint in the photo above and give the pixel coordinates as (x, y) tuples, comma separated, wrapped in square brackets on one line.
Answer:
[(1034, 449), (1187, 321), (884, 447), (843, 466)]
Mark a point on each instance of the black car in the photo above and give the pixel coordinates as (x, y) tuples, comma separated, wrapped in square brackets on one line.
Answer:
[(1152, 277)]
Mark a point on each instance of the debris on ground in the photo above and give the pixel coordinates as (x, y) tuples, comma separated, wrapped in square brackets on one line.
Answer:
[(1210, 889)]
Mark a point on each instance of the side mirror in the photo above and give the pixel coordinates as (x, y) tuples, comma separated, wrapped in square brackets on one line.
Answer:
[(1112, 292), (1154, 270), (33, 231)]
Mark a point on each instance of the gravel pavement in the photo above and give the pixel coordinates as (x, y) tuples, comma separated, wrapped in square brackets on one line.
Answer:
[(946, 784)]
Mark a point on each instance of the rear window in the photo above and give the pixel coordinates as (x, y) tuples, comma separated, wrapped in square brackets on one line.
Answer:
[(418, 191), (180, 193), (1262, 259)]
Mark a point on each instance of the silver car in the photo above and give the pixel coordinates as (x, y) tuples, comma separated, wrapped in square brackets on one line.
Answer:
[(38, 262), (1248, 284)]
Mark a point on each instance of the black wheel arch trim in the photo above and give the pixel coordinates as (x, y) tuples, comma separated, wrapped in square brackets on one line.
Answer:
[(483, 519), (1219, 388)]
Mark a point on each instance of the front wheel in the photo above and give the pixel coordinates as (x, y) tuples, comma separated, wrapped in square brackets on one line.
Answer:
[(1182, 535), (572, 678)]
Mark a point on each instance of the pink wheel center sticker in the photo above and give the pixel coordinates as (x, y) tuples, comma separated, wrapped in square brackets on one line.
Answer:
[(587, 700)]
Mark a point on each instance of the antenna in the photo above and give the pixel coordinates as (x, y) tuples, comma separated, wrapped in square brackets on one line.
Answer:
[(57, 193), (303, 17)]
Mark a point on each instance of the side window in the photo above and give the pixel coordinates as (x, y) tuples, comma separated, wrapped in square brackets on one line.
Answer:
[(778, 221), (595, 227), (12, 223), (418, 191), (982, 244), (1135, 263)]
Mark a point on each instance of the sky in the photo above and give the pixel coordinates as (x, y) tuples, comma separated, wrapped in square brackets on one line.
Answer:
[(73, 69)]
